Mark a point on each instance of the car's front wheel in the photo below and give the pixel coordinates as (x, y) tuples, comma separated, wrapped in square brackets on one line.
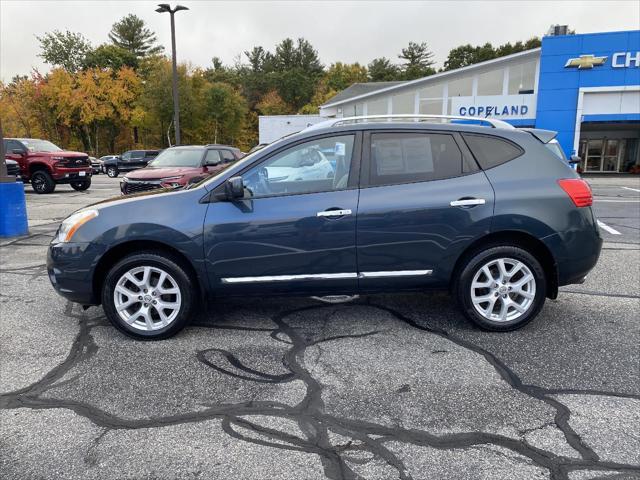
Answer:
[(81, 185), (42, 182), (148, 296), (112, 172), (501, 288)]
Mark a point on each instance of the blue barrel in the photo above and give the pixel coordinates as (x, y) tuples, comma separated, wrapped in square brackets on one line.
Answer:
[(13, 210)]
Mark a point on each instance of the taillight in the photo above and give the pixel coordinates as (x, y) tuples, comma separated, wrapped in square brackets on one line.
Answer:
[(578, 190)]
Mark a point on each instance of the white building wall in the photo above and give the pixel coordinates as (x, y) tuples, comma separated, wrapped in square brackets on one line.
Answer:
[(498, 86), (273, 127)]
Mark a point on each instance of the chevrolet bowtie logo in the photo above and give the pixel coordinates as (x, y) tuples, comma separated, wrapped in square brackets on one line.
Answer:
[(585, 61)]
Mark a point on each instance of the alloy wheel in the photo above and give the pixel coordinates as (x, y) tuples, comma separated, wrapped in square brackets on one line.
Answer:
[(147, 298), (503, 290), (38, 183)]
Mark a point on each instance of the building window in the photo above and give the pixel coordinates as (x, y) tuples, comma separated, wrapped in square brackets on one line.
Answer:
[(461, 87), (431, 106), (359, 109), (522, 78), (348, 111), (490, 83), (403, 103), (431, 100), (377, 107)]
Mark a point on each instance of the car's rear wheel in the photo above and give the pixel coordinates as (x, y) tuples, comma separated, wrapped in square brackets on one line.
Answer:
[(42, 182), (501, 288), (112, 172), (81, 185), (148, 296)]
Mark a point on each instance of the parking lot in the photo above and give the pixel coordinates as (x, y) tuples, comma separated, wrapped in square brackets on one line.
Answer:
[(383, 387)]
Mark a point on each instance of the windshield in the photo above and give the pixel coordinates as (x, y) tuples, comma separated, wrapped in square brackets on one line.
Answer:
[(555, 148), (40, 145), (178, 158)]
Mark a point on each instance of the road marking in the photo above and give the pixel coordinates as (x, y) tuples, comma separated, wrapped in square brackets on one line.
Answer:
[(607, 228), (632, 189), (616, 201)]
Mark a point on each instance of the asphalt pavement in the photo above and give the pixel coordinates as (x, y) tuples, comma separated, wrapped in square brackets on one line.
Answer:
[(384, 387)]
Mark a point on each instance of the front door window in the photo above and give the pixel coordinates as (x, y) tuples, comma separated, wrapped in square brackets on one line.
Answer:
[(321, 165)]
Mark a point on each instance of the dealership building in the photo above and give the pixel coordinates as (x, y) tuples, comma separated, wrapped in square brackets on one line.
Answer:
[(585, 87)]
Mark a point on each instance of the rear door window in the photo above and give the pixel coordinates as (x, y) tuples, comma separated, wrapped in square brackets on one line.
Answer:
[(413, 157), (212, 157), (227, 155), (491, 151)]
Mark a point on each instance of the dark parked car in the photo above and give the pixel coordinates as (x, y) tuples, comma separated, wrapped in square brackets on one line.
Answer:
[(13, 170), (491, 214), (46, 165), (128, 161), (178, 166), (96, 165)]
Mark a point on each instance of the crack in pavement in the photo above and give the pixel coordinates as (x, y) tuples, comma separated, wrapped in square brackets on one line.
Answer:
[(309, 414)]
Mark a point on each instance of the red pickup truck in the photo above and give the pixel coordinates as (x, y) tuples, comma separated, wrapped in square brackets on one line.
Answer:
[(45, 165)]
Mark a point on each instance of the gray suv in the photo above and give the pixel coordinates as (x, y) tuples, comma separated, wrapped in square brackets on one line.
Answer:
[(350, 206)]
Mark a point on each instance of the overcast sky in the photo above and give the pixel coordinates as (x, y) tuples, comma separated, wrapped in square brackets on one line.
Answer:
[(355, 31)]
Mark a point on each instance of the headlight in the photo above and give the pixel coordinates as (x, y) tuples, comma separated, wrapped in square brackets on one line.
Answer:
[(71, 224), (57, 158)]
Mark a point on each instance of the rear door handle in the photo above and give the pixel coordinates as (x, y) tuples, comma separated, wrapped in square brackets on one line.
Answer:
[(467, 202), (334, 213)]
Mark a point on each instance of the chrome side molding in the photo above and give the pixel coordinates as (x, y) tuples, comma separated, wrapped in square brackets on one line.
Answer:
[(287, 278), (395, 273), (327, 276)]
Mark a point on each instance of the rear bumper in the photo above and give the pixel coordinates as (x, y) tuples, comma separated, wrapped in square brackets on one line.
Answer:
[(576, 254), (70, 267)]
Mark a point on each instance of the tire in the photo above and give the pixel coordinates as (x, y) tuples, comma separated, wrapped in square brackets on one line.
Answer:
[(82, 185), (131, 320), (500, 274), (112, 172), (41, 182)]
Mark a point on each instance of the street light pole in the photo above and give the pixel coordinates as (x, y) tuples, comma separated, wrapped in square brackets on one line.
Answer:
[(164, 7)]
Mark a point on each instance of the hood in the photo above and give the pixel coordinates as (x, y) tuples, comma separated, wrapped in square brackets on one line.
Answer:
[(63, 153), (151, 173)]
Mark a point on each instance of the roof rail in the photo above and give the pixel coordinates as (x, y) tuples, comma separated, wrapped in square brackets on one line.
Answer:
[(494, 123)]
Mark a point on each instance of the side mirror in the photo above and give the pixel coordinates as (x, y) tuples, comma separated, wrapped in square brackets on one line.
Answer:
[(234, 188), (18, 151), (574, 159)]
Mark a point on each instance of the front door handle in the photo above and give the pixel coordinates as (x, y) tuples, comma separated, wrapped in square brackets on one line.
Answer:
[(467, 202), (334, 213)]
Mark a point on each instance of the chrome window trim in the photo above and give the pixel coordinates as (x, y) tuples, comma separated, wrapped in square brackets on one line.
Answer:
[(327, 276)]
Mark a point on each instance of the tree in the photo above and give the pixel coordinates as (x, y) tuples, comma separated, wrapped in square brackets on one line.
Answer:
[(131, 34), (67, 50), (296, 71), (465, 55), (418, 61), (382, 70), (110, 56), (226, 110), (272, 104), (468, 55), (342, 75)]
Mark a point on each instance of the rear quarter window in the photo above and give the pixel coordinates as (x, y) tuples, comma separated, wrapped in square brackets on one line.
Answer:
[(491, 151)]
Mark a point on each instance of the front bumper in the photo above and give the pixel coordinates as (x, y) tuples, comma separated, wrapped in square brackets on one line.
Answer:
[(70, 267), (67, 175)]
